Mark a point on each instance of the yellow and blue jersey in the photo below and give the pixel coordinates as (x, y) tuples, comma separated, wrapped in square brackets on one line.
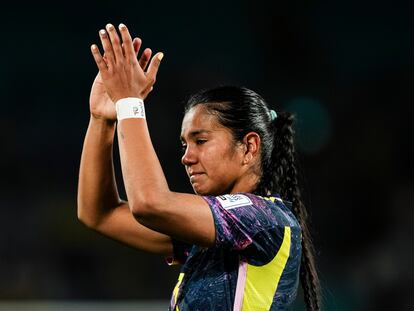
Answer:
[(254, 263)]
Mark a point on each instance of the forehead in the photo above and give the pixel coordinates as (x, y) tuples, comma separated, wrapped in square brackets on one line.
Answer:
[(197, 119)]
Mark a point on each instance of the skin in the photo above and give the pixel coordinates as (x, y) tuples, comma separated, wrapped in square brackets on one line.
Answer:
[(205, 141), (153, 213)]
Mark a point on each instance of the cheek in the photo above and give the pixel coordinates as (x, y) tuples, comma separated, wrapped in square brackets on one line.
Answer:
[(215, 158), (221, 164)]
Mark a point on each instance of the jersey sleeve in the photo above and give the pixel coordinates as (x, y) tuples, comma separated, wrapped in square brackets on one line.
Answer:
[(247, 224), (181, 251)]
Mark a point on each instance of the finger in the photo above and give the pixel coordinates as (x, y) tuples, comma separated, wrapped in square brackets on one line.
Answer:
[(98, 59), (147, 90), (123, 49), (128, 46), (108, 52), (137, 45), (153, 67), (145, 57), (116, 42)]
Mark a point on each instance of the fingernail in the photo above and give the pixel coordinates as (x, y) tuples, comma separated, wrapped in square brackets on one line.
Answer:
[(94, 47), (122, 26), (160, 56), (102, 32), (109, 26)]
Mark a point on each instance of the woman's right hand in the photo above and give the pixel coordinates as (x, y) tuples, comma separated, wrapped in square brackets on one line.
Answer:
[(100, 105)]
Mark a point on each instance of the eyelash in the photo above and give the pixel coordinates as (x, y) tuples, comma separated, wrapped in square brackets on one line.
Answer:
[(198, 142)]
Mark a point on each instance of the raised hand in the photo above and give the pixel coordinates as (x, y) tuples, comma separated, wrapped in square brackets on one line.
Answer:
[(101, 105), (121, 73)]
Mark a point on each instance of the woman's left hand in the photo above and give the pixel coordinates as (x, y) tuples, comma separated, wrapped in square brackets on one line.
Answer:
[(120, 70)]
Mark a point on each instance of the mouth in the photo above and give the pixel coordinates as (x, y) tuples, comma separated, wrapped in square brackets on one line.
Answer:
[(195, 176)]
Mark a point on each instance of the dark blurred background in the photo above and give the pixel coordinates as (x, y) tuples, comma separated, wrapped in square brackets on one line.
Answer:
[(344, 67)]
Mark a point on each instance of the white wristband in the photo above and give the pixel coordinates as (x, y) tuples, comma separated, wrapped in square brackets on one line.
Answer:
[(130, 107)]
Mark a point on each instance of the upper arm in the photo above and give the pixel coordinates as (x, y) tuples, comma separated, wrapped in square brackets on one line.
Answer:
[(183, 216), (120, 224), (229, 221)]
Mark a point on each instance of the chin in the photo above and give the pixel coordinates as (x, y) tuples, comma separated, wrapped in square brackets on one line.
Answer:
[(200, 190), (204, 189)]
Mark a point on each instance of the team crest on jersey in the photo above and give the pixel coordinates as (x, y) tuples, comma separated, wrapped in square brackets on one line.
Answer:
[(229, 201)]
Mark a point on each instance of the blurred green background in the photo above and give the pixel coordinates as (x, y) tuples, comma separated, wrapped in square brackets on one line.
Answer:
[(344, 67)]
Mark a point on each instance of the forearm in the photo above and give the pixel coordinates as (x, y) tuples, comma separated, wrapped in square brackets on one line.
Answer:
[(144, 178), (97, 190), (185, 217), (123, 77)]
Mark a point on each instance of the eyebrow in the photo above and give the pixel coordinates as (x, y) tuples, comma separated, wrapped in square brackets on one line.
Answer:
[(195, 133)]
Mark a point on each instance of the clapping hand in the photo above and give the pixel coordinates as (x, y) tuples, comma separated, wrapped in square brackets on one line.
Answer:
[(120, 73)]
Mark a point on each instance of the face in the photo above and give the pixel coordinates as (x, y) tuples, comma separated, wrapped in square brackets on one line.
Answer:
[(212, 160)]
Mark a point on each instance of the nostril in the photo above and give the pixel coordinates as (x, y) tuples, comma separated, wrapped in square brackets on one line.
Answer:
[(185, 161)]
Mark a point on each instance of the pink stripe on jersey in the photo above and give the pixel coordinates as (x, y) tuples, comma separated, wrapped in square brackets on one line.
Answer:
[(241, 283)]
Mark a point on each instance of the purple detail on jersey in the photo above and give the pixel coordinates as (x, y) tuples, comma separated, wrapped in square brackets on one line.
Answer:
[(237, 227), (251, 234)]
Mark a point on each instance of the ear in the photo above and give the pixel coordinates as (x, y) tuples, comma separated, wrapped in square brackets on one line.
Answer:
[(252, 143)]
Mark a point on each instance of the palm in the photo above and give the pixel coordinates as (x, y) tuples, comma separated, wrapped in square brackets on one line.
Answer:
[(101, 105)]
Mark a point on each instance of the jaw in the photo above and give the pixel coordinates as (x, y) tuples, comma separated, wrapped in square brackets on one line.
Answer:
[(203, 189)]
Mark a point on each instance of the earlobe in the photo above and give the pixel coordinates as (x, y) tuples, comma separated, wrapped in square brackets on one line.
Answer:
[(248, 158)]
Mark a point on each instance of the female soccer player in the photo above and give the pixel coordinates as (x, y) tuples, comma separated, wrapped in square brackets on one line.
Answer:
[(242, 237)]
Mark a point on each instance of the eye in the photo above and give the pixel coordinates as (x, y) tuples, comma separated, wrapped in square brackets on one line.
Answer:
[(200, 141), (183, 147)]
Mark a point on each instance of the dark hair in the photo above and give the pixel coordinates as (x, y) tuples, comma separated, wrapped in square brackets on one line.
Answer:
[(242, 111)]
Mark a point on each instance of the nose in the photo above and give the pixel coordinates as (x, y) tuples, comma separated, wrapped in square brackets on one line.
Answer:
[(189, 156)]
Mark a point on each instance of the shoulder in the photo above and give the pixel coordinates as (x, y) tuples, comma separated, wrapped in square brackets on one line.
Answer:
[(230, 201), (253, 225), (271, 210)]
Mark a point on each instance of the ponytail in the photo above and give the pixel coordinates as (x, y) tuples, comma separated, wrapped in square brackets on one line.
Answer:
[(284, 179)]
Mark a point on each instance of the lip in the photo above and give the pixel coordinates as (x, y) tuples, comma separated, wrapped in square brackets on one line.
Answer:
[(195, 175), (191, 172)]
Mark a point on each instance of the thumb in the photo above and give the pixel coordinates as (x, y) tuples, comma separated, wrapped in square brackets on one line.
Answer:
[(98, 78), (154, 65)]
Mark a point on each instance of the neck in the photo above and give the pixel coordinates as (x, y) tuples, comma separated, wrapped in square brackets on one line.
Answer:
[(247, 183)]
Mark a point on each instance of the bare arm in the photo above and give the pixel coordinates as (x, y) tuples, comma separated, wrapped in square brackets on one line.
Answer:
[(97, 191), (99, 205), (184, 216)]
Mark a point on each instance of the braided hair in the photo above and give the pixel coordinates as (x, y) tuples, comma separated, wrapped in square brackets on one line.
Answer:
[(242, 111)]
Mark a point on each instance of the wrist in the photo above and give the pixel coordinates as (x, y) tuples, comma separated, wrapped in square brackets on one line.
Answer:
[(130, 108), (118, 98), (99, 120)]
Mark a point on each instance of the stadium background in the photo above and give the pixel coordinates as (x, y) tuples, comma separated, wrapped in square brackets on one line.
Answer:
[(345, 68)]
